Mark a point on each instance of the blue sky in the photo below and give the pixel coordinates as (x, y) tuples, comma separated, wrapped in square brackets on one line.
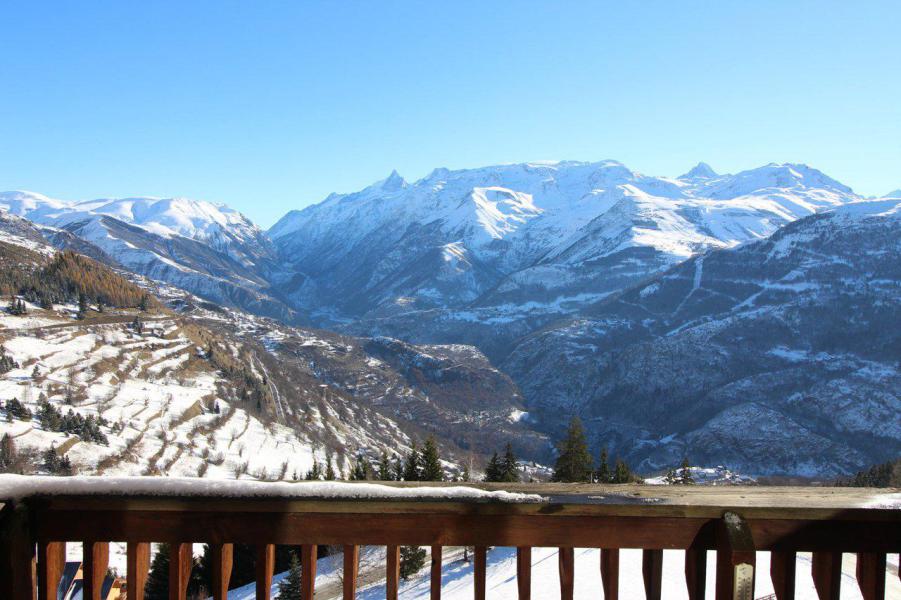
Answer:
[(269, 106)]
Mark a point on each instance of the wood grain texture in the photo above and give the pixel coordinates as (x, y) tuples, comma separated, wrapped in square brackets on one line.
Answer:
[(652, 573), (137, 564), (480, 564), (524, 572), (610, 573), (735, 547), (782, 573), (222, 558), (308, 556), (696, 573), (827, 574), (871, 575), (181, 559), (264, 568), (51, 560), (435, 573), (95, 562), (566, 567), (351, 569), (392, 572)]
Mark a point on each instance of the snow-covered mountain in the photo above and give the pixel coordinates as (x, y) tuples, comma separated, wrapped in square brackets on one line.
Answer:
[(486, 255), (779, 356), (550, 269), (208, 249)]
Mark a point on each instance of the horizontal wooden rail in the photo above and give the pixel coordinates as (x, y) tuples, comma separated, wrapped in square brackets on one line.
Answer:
[(734, 524)]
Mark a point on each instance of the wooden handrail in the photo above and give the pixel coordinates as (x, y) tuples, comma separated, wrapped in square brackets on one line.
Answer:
[(734, 522)]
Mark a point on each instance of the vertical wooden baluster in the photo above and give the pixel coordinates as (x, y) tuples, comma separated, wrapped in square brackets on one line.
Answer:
[(782, 572), (696, 573), (736, 559), (222, 556), (95, 563), (265, 566), (652, 573), (18, 577), (308, 556), (481, 559), (181, 559), (351, 566), (871, 575), (137, 565), (827, 574), (610, 573), (393, 572), (565, 560), (51, 562), (436, 573), (524, 572)]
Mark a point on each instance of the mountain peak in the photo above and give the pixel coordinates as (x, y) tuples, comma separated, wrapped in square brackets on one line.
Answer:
[(894, 194), (700, 171), (393, 182)]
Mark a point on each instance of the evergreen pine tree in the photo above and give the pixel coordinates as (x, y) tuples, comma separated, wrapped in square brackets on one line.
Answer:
[(430, 462), (384, 473), (289, 587), (574, 463), (685, 477), (509, 467), (144, 303), (398, 468), (82, 306), (412, 465), (315, 473), (329, 468), (8, 454), (412, 559), (603, 473), (157, 587), (493, 470), (622, 473)]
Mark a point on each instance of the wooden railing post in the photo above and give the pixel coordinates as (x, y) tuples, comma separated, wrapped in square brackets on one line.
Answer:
[(827, 574), (351, 567), (137, 565), (782, 572), (735, 559), (479, 567), (94, 565), (18, 579), (566, 564), (524, 572), (871, 575), (308, 556), (222, 556), (610, 573), (652, 572), (265, 566), (435, 574), (51, 562), (696, 572), (181, 559), (393, 572)]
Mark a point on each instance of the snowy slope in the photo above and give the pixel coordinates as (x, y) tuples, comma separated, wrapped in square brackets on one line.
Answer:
[(519, 245), (457, 577), (778, 356), (210, 250)]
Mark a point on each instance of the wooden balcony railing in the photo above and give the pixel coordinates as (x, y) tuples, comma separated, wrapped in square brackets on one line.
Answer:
[(732, 522)]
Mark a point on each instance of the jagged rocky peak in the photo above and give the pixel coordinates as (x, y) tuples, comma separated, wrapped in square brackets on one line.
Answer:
[(700, 171), (394, 182)]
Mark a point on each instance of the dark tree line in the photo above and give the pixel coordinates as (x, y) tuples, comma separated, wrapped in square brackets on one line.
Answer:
[(87, 428), (575, 464)]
